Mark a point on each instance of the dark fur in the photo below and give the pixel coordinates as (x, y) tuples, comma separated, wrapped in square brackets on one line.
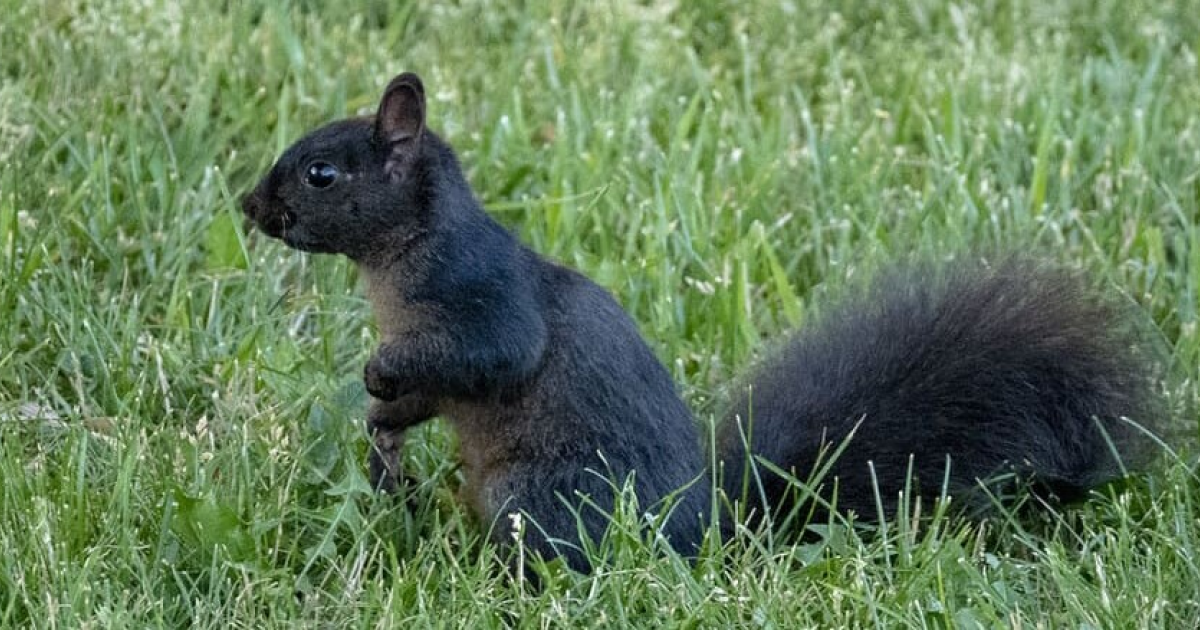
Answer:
[(553, 393), (1015, 373), (544, 377)]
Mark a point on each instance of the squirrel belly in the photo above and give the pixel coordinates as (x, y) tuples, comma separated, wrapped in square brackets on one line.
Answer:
[(1015, 369)]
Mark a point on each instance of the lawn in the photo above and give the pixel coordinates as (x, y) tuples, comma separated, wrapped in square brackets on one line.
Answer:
[(180, 399)]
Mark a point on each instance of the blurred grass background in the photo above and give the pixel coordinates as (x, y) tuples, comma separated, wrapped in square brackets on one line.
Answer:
[(180, 440)]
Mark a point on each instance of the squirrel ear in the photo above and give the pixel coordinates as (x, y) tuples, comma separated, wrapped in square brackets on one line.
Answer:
[(401, 113)]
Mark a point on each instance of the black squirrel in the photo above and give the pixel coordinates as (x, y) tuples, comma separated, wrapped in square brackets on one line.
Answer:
[(957, 374)]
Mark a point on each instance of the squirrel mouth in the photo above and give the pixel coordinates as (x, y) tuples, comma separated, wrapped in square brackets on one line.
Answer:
[(303, 244), (282, 227)]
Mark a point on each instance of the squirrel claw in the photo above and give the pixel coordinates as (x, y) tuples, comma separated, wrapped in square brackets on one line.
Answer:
[(384, 462)]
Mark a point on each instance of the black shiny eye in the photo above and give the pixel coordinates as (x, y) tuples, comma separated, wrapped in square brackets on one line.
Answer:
[(321, 174)]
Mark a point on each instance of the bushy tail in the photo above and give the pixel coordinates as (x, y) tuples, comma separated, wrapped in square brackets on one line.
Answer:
[(1012, 370)]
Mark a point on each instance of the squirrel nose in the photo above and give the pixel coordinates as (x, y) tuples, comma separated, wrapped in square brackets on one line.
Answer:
[(258, 213), (251, 205)]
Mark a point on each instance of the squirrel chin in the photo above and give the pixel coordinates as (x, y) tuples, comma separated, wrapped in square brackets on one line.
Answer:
[(309, 246)]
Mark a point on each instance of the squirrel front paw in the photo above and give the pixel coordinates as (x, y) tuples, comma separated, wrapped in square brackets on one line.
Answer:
[(381, 383)]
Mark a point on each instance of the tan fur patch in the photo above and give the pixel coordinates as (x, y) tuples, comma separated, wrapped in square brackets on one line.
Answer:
[(393, 315)]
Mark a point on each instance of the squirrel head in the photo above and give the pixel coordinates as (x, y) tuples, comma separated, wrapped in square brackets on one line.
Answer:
[(358, 187)]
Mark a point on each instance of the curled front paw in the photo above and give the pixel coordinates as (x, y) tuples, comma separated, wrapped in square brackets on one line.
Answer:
[(380, 382)]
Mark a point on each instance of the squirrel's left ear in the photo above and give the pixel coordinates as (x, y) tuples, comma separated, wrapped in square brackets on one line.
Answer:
[(401, 116)]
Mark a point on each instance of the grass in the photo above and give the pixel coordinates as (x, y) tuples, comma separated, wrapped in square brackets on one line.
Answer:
[(180, 402)]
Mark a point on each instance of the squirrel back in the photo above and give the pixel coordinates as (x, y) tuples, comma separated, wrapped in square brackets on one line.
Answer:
[(558, 401)]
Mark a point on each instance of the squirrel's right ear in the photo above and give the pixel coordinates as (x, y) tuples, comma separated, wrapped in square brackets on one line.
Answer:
[(401, 115)]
